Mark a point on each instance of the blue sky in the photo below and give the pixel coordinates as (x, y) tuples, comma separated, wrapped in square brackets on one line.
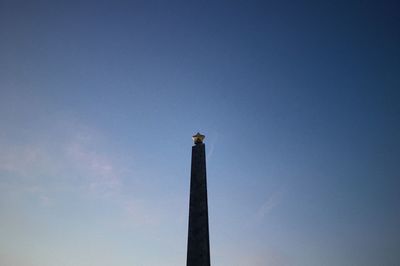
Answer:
[(298, 101)]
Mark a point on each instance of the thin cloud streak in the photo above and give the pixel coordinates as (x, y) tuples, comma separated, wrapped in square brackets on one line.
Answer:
[(212, 147), (268, 205)]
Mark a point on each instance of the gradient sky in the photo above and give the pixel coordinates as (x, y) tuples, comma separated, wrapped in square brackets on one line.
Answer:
[(299, 102)]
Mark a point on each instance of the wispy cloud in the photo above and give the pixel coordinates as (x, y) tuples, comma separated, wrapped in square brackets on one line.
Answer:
[(79, 161), (22, 169), (23, 160), (271, 202), (98, 170), (39, 164), (212, 147)]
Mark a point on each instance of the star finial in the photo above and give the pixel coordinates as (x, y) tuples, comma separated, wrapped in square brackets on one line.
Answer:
[(198, 138)]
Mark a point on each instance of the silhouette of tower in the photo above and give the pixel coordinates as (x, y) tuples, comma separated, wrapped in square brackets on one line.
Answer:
[(198, 249)]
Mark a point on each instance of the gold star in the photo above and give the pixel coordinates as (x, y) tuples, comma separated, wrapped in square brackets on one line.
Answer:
[(198, 138)]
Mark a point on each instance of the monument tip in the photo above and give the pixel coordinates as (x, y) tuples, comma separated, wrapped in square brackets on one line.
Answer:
[(198, 138)]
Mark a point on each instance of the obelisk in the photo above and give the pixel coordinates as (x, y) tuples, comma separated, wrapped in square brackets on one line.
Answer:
[(198, 249)]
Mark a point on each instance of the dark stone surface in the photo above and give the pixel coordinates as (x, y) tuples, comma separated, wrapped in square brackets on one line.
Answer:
[(198, 252)]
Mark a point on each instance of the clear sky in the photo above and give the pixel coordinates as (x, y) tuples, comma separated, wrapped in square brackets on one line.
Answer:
[(299, 102)]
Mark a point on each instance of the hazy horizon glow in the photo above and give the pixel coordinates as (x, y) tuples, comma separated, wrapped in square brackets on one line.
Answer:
[(299, 102)]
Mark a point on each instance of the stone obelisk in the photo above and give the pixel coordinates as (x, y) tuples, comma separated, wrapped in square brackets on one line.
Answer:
[(198, 249)]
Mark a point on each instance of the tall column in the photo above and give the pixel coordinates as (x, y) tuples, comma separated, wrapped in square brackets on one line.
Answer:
[(198, 250)]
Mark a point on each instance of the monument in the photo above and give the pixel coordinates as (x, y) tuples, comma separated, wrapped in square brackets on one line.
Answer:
[(198, 246)]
